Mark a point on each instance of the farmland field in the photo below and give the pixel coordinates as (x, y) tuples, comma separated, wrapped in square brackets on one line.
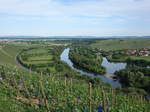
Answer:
[(119, 44), (38, 57), (123, 58)]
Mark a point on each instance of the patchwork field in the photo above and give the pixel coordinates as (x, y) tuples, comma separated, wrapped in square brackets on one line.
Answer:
[(44, 59), (119, 44)]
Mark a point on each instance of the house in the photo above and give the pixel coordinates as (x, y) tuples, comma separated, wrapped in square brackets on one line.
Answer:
[(142, 52), (129, 52)]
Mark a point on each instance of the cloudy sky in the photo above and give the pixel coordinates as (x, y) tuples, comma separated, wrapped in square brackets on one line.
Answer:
[(75, 17)]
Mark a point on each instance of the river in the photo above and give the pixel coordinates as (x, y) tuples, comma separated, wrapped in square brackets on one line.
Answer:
[(110, 68)]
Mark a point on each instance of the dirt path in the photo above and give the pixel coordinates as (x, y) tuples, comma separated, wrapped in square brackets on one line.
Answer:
[(21, 66)]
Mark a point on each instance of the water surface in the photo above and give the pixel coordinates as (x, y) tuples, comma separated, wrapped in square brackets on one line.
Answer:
[(110, 68)]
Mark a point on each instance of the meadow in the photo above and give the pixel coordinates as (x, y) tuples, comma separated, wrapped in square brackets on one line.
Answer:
[(8, 54)]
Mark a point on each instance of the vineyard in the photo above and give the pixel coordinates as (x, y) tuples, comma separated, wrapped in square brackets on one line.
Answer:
[(42, 92)]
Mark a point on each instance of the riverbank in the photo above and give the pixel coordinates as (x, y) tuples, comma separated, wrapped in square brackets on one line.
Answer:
[(112, 76), (65, 58), (135, 78)]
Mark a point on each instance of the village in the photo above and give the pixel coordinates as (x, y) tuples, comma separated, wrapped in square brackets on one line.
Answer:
[(135, 52)]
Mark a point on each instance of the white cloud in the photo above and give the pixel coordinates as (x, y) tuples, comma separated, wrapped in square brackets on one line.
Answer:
[(94, 12), (105, 8)]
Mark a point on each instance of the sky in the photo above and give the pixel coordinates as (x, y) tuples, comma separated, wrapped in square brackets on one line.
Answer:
[(74, 17)]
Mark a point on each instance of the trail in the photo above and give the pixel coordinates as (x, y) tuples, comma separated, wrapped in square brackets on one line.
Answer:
[(18, 65), (21, 66)]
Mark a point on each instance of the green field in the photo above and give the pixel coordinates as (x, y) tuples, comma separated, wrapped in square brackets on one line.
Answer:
[(147, 58), (8, 54), (119, 44), (9, 104), (37, 56), (43, 59), (123, 58)]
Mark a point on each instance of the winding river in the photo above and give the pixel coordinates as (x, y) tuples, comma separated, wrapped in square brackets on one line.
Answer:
[(110, 68)]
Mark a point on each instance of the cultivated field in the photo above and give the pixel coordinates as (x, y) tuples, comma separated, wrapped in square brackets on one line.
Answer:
[(119, 44)]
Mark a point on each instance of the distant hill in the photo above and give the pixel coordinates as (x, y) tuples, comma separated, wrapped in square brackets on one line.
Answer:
[(24, 37)]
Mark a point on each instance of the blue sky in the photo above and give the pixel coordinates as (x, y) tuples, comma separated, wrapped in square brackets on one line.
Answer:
[(74, 17)]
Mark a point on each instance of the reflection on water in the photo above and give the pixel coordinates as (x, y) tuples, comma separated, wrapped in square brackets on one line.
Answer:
[(110, 68)]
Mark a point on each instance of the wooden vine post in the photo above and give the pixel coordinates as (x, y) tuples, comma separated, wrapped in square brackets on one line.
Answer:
[(65, 81), (90, 97), (43, 94), (71, 84), (103, 101)]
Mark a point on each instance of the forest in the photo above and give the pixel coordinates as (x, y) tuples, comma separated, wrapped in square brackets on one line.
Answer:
[(135, 78)]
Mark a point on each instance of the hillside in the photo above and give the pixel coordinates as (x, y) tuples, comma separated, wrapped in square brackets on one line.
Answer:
[(119, 44), (35, 92)]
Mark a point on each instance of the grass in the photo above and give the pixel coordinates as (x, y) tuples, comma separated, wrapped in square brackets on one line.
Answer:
[(8, 53), (146, 58), (35, 51), (119, 44), (8, 104), (37, 56), (123, 58)]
